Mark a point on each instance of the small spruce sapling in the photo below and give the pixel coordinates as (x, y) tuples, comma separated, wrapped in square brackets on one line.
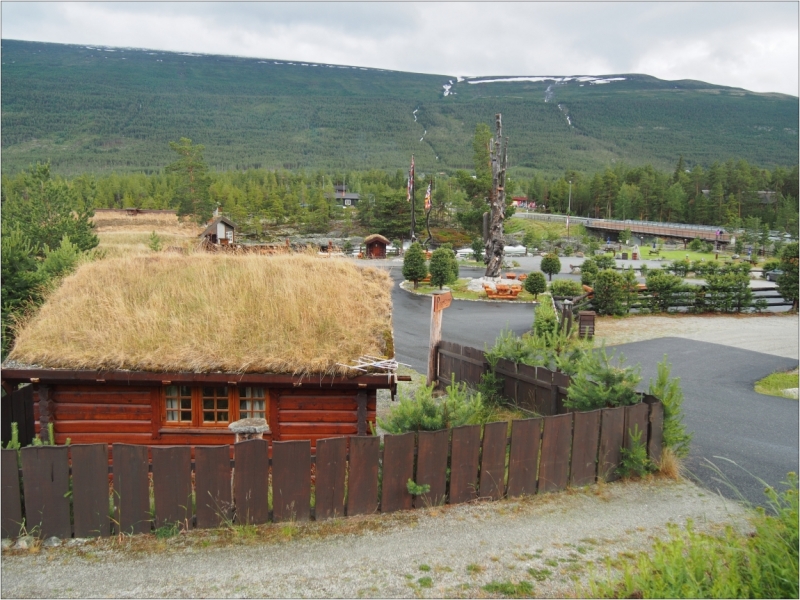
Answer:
[(154, 243), (551, 265), (535, 283)]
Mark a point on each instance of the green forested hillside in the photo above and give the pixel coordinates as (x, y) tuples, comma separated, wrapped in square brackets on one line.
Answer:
[(102, 110)]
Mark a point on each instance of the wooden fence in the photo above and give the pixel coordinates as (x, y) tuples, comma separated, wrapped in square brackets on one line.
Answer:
[(349, 476), (537, 389)]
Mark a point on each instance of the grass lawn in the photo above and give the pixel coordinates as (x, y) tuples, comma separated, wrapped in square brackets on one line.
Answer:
[(773, 385), (545, 229), (460, 292)]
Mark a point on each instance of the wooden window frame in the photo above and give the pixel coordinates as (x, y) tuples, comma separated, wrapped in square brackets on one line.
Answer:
[(265, 398), (197, 407)]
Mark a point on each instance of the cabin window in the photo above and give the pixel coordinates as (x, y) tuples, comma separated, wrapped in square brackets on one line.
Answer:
[(252, 403), (179, 404), (212, 405), (215, 404)]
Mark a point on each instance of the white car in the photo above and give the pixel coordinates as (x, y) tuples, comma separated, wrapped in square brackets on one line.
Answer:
[(518, 250)]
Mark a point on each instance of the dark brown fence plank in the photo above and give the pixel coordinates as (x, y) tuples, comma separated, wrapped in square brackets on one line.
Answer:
[(506, 371), (524, 459), (398, 468), (331, 469), (45, 479), (612, 426), (585, 438), (556, 444), (10, 500), (131, 488), (362, 481), (432, 466), (212, 483), (546, 399), (250, 481), (655, 440), (464, 463), (172, 485), (560, 384), (636, 419), (90, 490), (493, 461), (291, 481), (471, 372)]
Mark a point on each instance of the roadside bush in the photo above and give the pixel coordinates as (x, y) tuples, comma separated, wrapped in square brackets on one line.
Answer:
[(696, 245), (600, 384), (414, 267), (589, 271), (535, 283), (702, 268), (423, 412), (605, 261), (611, 294), (530, 240), (665, 291), (453, 262), (551, 265), (729, 290), (771, 265), (671, 395), (441, 267), (679, 267), (566, 288)]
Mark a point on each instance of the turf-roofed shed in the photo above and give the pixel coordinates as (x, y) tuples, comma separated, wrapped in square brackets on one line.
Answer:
[(170, 349)]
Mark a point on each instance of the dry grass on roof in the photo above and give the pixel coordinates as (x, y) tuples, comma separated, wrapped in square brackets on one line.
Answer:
[(207, 312)]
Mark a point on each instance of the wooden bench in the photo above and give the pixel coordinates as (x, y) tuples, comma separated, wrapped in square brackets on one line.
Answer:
[(652, 252), (503, 292)]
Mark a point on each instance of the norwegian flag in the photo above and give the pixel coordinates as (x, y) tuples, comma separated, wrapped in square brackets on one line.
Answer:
[(428, 198), (410, 180)]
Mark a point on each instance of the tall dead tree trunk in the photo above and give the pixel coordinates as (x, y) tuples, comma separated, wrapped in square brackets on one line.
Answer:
[(496, 241)]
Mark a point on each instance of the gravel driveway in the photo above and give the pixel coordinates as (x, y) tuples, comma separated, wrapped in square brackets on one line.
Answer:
[(550, 541)]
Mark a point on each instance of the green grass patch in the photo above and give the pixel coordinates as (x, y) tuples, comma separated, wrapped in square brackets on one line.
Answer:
[(425, 582), (773, 385), (523, 589), (539, 574), (691, 564)]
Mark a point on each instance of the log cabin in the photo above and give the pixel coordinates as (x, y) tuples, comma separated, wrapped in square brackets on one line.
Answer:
[(170, 349)]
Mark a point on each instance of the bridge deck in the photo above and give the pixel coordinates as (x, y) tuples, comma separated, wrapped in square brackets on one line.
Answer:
[(676, 230)]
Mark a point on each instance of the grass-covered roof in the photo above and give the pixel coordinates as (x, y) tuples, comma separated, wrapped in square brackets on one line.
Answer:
[(206, 312)]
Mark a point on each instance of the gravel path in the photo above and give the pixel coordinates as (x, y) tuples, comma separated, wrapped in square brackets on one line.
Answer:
[(548, 541)]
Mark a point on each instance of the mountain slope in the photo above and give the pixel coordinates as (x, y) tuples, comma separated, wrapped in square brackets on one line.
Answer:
[(102, 109)]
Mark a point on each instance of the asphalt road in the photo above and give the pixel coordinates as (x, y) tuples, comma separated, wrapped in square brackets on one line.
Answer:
[(759, 433)]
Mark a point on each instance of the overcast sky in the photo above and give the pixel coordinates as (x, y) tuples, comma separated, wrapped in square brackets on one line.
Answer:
[(752, 45)]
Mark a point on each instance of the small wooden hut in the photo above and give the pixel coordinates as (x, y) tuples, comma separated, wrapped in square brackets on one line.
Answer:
[(171, 349), (219, 231), (376, 246)]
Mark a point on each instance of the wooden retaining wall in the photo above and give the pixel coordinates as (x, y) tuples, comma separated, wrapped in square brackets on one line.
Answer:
[(348, 476)]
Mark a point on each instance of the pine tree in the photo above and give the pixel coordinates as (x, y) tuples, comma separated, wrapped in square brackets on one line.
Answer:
[(414, 267), (551, 265), (441, 267), (535, 283), (192, 195)]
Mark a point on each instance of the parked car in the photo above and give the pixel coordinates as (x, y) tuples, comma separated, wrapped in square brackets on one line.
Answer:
[(773, 275), (517, 250)]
